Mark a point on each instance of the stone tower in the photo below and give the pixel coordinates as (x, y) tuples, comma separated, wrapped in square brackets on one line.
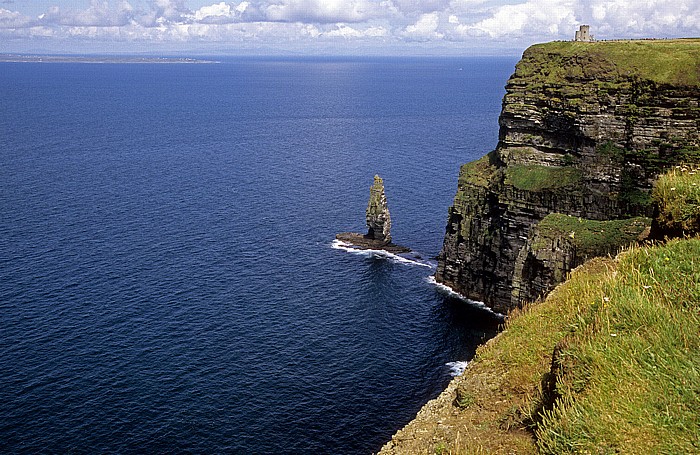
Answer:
[(378, 219), (584, 34)]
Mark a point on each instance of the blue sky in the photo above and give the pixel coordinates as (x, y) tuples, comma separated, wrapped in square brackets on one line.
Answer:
[(330, 27)]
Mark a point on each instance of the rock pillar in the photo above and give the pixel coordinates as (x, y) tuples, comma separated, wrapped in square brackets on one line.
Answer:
[(378, 219)]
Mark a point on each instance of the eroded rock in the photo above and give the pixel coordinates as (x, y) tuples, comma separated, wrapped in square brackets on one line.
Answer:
[(378, 218)]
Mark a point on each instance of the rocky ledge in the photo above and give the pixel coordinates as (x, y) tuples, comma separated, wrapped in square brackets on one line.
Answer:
[(363, 242)]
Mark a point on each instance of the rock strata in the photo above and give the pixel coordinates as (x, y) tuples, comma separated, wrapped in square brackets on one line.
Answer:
[(584, 131), (378, 235), (377, 213)]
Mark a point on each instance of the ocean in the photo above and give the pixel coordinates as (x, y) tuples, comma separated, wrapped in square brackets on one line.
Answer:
[(169, 280)]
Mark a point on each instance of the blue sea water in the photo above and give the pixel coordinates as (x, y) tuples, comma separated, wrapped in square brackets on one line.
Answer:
[(168, 281)]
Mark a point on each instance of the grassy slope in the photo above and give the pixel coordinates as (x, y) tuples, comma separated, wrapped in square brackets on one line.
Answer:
[(628, 332), (631, 359)]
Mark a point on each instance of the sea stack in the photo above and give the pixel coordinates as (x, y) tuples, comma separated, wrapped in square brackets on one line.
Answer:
[(378, 235), (378, 218)]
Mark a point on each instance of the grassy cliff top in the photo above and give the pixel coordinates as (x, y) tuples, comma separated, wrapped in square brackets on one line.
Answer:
[(608, 362), (674, 62)]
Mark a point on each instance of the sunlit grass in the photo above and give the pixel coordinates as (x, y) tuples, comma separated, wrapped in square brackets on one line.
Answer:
[(532, 177), (626, 332), (677, 196), (591, 237), (630, 380)]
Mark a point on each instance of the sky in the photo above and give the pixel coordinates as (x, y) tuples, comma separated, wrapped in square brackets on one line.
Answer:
[(329, 27)]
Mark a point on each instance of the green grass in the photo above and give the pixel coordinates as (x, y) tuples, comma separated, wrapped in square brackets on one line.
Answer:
[(627, 334), (495, 395), (478, 172), (592, 238), (630, 377), (532, 177), (677, 196), (658, 61)]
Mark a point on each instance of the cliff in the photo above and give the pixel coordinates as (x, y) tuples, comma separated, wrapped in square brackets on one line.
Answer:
[(605, 364), (585, 129)]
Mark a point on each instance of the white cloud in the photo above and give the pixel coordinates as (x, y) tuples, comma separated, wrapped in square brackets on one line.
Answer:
[(344, 31), (323, 11), (223, 13), (311, 30), (656, 18), (12, 19), (216, 10), (425, 28), (513, 23), (533, 17), (97, 14), (173, 10)]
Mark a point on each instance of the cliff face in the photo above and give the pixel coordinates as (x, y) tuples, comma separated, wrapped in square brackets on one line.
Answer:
[(584, 131)]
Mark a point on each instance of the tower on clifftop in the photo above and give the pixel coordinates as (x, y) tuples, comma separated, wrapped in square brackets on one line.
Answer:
[(584, 34)]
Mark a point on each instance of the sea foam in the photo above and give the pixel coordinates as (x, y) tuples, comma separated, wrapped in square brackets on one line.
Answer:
[(340, 245), (443, 288), (457, 368)]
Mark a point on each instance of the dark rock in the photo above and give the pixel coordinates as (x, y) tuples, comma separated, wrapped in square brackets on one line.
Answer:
[(364, 242)]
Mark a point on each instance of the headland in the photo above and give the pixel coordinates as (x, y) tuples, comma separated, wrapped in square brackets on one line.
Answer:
[(36, 58), (599, 150)]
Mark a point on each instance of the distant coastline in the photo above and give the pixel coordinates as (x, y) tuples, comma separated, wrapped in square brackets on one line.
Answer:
[(29, 58)]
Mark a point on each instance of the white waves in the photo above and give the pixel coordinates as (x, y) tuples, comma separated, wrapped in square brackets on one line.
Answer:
[(457, 368), (401, 259), (452, 293)]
